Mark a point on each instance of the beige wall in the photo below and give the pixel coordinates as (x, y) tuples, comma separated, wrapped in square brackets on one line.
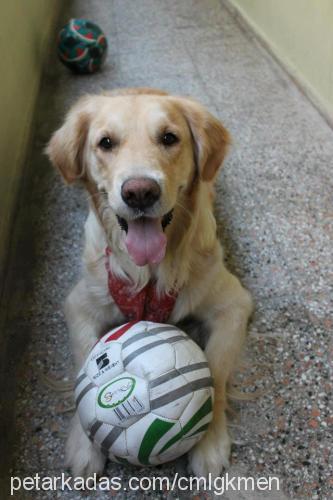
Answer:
[(300, 34), (25, 27)]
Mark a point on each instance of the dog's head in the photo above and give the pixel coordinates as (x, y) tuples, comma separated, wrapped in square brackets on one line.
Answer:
[(142, 152)]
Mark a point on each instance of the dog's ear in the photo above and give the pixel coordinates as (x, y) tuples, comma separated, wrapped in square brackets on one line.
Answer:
[(210, 138), (65, 148)]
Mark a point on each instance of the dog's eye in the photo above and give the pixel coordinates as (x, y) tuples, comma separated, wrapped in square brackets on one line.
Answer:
[(105, 143), (169, 139)]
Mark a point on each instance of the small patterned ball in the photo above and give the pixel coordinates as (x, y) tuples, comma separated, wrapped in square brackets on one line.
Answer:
[(82, 46)]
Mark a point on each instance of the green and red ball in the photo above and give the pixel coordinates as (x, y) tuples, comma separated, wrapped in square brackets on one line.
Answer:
[(82, 46)]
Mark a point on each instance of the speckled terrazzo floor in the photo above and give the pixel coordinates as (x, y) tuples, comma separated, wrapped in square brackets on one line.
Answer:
[(274, 209)]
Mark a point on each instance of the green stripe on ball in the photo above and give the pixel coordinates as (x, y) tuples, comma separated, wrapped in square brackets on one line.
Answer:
[(154, 433), (205, 409)]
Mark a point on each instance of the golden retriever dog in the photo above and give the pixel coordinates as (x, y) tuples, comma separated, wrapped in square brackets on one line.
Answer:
[(148, 161)]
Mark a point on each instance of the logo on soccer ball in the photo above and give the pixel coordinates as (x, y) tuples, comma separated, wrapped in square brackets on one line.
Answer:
[(116, 392), (102, 361)]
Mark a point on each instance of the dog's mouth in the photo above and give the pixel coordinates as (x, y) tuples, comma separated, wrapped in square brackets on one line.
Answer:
[(145, 238)]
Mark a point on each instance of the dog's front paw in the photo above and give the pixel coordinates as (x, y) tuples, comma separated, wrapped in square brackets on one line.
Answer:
[(211, 454), (81, 456)]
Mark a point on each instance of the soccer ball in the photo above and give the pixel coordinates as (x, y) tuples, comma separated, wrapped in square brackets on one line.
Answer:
[(145, 393), (82, 46)]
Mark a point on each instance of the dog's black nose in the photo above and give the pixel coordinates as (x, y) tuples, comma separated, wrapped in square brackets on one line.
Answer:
[(140, 193)]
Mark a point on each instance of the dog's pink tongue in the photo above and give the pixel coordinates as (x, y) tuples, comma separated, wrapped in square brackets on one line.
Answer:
[(145, 241)]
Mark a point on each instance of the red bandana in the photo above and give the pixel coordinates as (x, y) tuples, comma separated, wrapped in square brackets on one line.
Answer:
[(143, 305)]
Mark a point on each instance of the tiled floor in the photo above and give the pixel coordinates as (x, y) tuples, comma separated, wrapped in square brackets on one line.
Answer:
[(275, 217)]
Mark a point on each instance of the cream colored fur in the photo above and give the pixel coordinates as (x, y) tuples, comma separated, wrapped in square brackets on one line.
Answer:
[(194, 257)]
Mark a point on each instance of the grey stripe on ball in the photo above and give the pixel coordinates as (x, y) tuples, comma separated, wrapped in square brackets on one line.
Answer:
[(94, 428), (111, 438), (144, 334), (79, 380), (175, 373), (145, 348), (84, 392), (195, 385)]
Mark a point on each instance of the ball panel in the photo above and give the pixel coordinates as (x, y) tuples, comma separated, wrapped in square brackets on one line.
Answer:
[(81, 382), (164, 331), (143, 335), (104, 363), (151, 359), (166, 383), (189, 372), (198, 412), (82, 388), (197, 417), (86, 406), (146, 333), (136, 342), (155, 457), (196, 371), (201, 426), (110, 439), (123, 332), (183, 441), (122, 400), (170, 398), (98, 347), (174, 409), (179, 392), (115, 442), (143, 436), (188, 353)]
